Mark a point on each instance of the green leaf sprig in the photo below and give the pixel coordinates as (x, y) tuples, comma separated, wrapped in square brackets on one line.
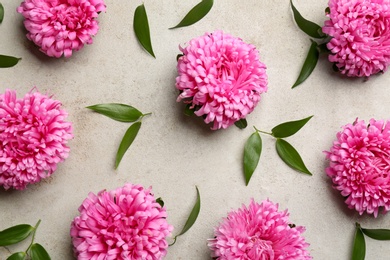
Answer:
[(122, 113), (289, 155), (18, 233), (195, 14), (8, 61), (141, 29), (1, 13)]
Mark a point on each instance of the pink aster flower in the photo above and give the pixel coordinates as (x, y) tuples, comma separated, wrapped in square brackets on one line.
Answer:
[(60, 26), (360, 31), (221, 78), (258, 232), (360, 164), (33, 138), (126, 223)]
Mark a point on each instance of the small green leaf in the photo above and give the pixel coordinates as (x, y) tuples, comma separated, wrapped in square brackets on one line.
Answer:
[(15, 234), (327, 10), (289, 128), (309, 64), (38, 252), (359, 245), (188, 111), (290, 156), (193, 215), (378, 234), (252, 152), (160, 201), (242, 123), (141, 29), (178, 56), (196, 13), (308, 27), (127, 140), (17, 256), (8, 61), (118, 112), (1, 13)]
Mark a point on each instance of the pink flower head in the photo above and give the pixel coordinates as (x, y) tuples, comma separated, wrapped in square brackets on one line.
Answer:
[(258, 232), (360, 164), (221, 78), (33, 138), (60, 26), (360, 29), (126, 223)]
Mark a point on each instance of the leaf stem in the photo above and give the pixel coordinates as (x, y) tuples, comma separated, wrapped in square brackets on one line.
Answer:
[(33, 235), (147, 114), (263, 132), (174, 241)]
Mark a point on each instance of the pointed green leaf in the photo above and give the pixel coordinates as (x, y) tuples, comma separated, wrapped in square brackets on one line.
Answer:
[(127, 140), (15, 234), (252, 152), (289, 128), (118, 112), (290, 156), (141, 29), (242, 123), (309, 64), (308, 27), (1, 13), (17, 256), (160, 201), (193, 215), (196, 13), (378, 234), (38, 252), (8, 61), (359, 245), (188, 111)]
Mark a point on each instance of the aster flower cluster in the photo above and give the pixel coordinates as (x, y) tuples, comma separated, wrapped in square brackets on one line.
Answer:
[(33, 138), (359, 165)]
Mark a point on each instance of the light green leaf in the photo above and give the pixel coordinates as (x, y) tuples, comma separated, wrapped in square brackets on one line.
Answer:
[(193, 215), (118, 112), (196, 13), (289, 128), (290, 156), (127, 140), (378, 234), (141, 29), (15, 234), (359, 245), (309, 64), (242, 123), (8, 61), (160, 201), (38, 252), (252, 152), (308, 27), (17, 256), (1, 13)]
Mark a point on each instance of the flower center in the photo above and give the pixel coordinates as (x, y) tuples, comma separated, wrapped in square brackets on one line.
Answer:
[(260, 249)]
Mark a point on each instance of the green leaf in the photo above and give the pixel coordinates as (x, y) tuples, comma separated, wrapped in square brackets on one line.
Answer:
[(141, 29), (38, 252), (378, 234), (160, 201), (290, 156), (359, 245), (289, 128), (188, 111), (196, 13), (17, 256), (8, 61), (1, 13), (309, 64), (193, 215), (308, 27), (127, 140), (242, 123), (252, 152), (15, 234), (327, 10), (118, 112), (178, 56)]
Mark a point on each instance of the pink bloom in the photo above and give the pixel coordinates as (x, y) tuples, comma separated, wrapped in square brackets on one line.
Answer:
[(359, 165), (126, 223), (60, 26), (258, 232), (221, 78), (33, 138), (360, 29)]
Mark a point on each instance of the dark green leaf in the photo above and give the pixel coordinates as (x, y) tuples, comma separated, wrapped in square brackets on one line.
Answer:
[(378, 234), (118, 112), (141, 28), (252, 152), (17, 256), (127, 140), (15, 234), (38, 252), (193, 215), (290, 156), (309, 64), (1, 13), (160, 201), (359, 245), (289, 128), (327, 10), (8, 61), (188, 111), (308, 27), (196, 13), (242, 123), (323, 49), (178, 56)]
